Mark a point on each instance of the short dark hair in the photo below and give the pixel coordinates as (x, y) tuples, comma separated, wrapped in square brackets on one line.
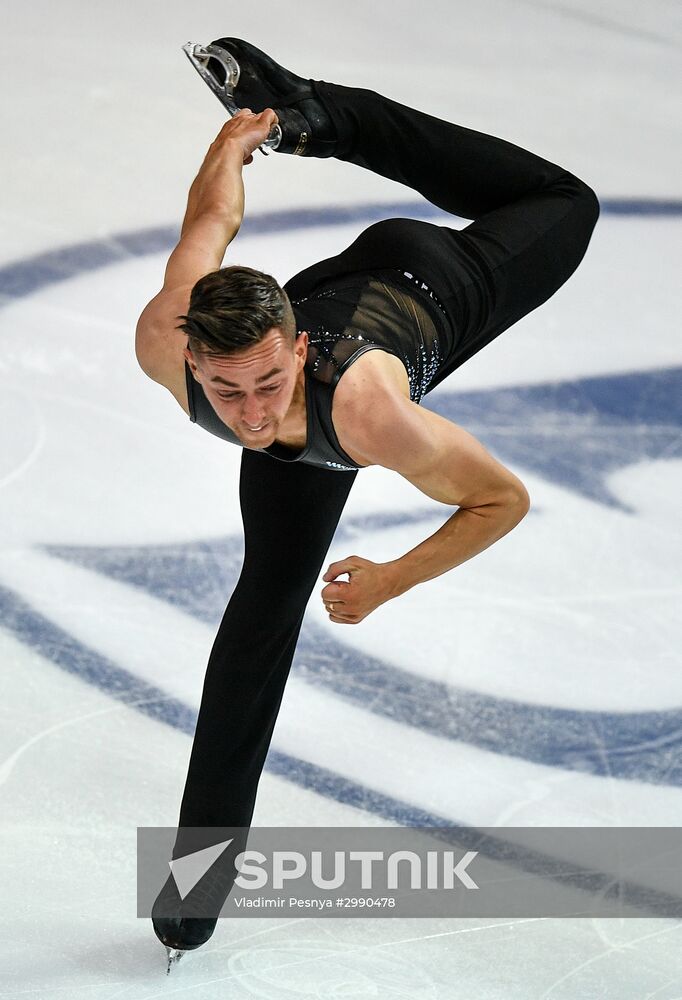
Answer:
[(233, 308)]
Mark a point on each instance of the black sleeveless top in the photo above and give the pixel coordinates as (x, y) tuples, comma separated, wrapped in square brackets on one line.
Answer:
[(387, 309)]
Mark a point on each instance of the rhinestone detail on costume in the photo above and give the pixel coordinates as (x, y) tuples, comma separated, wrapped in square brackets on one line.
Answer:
[(320, 340), (420, 379), (424, 287)]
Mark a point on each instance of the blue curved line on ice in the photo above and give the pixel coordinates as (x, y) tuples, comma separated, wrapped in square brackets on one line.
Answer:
[(56, 645), (27, 276)]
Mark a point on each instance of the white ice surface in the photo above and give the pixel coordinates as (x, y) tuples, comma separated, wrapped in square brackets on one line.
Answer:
[(104, 127)]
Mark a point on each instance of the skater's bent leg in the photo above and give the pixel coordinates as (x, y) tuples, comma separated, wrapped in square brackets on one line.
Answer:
[(462, 171), (290, 512), (533, 219)]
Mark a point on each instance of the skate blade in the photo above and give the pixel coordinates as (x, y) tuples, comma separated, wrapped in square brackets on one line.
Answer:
[(174, 956), (199, 56)]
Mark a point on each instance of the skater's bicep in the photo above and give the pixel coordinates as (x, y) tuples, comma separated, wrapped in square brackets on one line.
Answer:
[(201, 249), (441, 459)]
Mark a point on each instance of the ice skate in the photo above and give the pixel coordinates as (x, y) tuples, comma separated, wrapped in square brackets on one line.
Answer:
[(222, 78), (242, 76), (174, 956), (182, 934), (173, 925)]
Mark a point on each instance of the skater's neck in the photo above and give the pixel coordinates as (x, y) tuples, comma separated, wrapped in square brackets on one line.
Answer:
[(293, 429)]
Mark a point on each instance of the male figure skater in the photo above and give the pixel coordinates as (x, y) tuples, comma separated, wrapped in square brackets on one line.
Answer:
[(325, 375)]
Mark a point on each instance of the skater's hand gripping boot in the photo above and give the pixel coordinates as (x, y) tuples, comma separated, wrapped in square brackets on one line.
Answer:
[(247, 130)]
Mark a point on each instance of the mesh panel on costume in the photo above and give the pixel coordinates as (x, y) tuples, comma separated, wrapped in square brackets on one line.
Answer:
[(386, 316)]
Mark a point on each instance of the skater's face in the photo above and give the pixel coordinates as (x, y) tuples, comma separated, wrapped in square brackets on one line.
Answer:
[(252, 391)]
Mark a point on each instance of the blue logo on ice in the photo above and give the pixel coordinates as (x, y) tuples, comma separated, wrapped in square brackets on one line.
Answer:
[(575, 434)]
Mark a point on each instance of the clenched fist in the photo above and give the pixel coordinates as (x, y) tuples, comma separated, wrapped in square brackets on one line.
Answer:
[(370, 585)]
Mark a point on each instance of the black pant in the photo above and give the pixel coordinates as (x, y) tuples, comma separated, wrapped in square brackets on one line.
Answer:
[(533, 224)]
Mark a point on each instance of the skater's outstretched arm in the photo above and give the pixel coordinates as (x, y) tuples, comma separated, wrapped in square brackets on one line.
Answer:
[(215, 209)]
